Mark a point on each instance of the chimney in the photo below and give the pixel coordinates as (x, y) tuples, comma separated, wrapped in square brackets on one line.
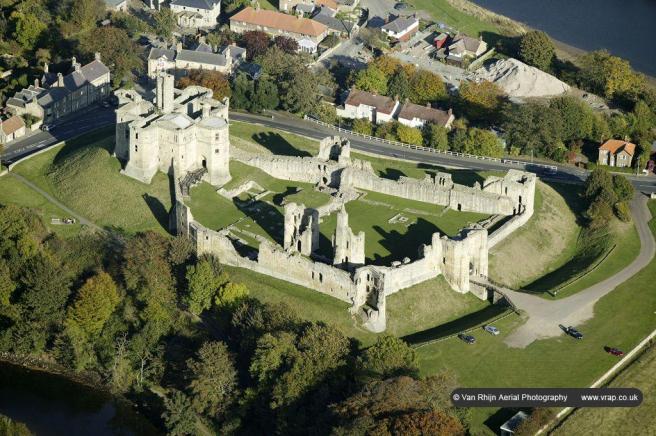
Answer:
[(96, 56), (60, 80), (76, 64), (206, 109), (36, 83), (178, 46), (45, 67)]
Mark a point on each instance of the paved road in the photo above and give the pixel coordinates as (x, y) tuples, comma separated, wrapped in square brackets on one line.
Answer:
[(544, 316), (311, 130), (56, 202)]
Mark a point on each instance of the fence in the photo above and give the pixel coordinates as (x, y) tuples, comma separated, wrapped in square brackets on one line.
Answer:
[(551, 169)]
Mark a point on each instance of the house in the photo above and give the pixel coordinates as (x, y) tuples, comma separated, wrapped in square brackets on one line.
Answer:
[(509, 427), (401, 28), (179, 61), (616, 153), (252, 70), (11, 128), (362, 104), (326, 15), (276, 24), (305, 5), (196, 13), (415, 115), (116, 5), (464, 46), (59, 95)]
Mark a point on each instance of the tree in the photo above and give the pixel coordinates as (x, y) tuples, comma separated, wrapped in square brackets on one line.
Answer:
[(599, 180), (230, 293), (242, 92), (436, 136), (179, 418), (7, 285), (298, 92), (95, 302), (576, 116), (46, 287), (265, 96), (327, 113), (203, 283), (213, 378), (118, 51), (255, 42), (399, 85), (480, 101), (608, 75), (409, 135), (477, 141), (388, 357), (371, 79), (537, 49), (27, 28), (534, 128), (213, 80), (387, 64), (165, 23), (286, 44), (83, 15), (363, 126), (426, 87), (623, 188), (374, 39)]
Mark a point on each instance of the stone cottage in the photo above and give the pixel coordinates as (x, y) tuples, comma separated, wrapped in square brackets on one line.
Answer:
[(616, 153)]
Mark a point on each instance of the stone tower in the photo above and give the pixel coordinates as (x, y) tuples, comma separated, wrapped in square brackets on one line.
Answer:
[(165, 94), (301, 232), (349, 247)]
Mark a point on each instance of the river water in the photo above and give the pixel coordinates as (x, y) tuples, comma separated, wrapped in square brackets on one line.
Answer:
[(53, 405), (626, 28)]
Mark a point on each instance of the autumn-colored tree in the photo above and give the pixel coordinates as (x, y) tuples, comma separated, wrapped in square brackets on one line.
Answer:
[(409, 135), (480, 101), (363, 126), (609, 75), (388, 357), (95, 302), (230, 293), (255, 42), (387, 64), (426, 87), (213, 80), (286, 44), (428, 422), (372, 79)]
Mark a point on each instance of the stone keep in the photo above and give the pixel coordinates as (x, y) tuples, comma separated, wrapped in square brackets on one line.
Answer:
[(301, 231), (187, 130), (349, 247)]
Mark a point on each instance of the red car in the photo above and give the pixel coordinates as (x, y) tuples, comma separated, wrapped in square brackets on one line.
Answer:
[(614, 351)]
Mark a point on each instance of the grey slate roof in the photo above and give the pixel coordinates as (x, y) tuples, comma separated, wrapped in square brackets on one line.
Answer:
[(325, 16), (156, 53), (399, 24), (202, 57), (94, 70), (198, 4)]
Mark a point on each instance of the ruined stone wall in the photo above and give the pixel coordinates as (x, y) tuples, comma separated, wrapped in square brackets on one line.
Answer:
[(349, 247), (297, 169), (508, 228), (301, 229)]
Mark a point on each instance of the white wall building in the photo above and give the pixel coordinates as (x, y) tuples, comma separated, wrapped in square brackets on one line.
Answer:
[(375, 108), (196, 13)]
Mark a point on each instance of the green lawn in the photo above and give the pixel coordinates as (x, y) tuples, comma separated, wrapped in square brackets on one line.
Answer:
[(83, 175), (443, 12), (622, 318), (12, 191)]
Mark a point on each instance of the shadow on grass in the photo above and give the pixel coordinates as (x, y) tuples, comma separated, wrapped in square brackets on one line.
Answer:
[(404, 245), (276, 144), (392, 174), (265, 215), (461, 177), (280, 196), (456, 326), (158, 210), (496, 420)]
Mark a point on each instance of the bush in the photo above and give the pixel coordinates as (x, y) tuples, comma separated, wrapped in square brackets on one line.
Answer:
[(409, 135), (363, 126), (622, 211)]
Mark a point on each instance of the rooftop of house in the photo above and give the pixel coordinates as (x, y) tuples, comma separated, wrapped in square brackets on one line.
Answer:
[(465, 43), (198, 4), (10, 125), (616, 145), (410, 111), (326, 16), (196, 56), (382, 104), (278, 20), (399, 24)]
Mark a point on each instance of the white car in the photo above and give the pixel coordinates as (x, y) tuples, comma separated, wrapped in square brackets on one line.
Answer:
[(491, 330)]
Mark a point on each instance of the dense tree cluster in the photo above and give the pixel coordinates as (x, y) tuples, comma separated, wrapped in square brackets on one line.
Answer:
[(213, 80), (142, 312)]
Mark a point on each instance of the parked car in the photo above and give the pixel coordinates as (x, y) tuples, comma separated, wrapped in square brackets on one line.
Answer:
[(467, 338), (491, 330), (46, 127), (573, 332), (401, 6), (614, 351)]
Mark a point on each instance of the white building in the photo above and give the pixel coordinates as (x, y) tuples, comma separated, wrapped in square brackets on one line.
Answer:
[(375, 108), (186, 131), (179, 61), (401, 28), (415, 115), (196, 13)]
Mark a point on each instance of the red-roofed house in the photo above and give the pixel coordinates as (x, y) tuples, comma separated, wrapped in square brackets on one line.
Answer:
[(11, 128), (362, 104), (616, 153)]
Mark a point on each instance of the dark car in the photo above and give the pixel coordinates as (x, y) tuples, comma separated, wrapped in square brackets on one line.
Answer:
[(614, 351), (467, 338), (401, 6), (574, 333)]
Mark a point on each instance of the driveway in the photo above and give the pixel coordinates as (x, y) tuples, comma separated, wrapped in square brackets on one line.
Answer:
[(544, 316)]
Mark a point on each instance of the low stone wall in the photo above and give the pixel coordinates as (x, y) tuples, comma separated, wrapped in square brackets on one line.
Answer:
[(508, 228), (297, 169)]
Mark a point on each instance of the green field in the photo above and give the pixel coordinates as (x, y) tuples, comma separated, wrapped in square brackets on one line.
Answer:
[(443, 12), (622, 318), (84, 176)]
